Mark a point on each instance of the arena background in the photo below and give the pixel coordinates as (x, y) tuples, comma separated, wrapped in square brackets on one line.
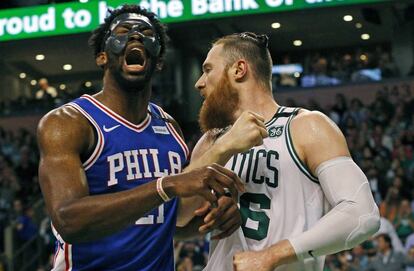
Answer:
[(351, 59)]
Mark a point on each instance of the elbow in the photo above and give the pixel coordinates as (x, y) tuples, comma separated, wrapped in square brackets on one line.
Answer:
[(68, 226), (368, 224), (376, 223)]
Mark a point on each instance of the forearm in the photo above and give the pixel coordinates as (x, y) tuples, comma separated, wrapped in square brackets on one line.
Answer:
[(216, 154), (93, 217), (353, 219)]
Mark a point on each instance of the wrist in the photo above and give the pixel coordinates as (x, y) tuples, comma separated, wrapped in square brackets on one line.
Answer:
[(281, 253), (222, 149), (169, 186)]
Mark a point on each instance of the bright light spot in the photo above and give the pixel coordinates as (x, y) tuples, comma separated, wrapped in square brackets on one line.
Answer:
[(363, 57), (67, 67), (40, 57), (83, 1), (358, 25), (22, 75), (276, 25), (365, 36), (348, 18), (33, 82), (296, 74), (62, 86), (88, 84), (297, 42)]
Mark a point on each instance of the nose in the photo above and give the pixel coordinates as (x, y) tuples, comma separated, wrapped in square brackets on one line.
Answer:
[(135, 33), (200, 84)]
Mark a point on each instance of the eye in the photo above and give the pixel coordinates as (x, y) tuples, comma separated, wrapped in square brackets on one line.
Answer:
[(122, 30), (148, 32)]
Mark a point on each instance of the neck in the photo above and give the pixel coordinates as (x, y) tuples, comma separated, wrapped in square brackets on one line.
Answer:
[(132, 105), (258, 99)]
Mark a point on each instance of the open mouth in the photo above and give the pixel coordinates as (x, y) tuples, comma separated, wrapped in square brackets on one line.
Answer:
[(135, 60)]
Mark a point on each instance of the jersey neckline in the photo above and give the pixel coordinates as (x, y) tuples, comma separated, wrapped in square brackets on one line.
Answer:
[(275, 116), (118, 118)]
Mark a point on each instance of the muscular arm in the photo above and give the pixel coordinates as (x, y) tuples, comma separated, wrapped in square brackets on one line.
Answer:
[(354, 216), (63, 135)]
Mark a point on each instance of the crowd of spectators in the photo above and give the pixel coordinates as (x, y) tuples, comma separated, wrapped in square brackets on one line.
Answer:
[(335, 67), (380, 136), (309, 69), (42, 99)]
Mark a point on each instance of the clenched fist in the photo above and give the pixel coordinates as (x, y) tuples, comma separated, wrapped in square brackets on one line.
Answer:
[(248, 131)]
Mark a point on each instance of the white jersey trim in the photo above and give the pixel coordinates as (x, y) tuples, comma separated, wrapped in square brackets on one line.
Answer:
[(118, 118), (293, 152), (100, 140), (174, 132), (63, 255)]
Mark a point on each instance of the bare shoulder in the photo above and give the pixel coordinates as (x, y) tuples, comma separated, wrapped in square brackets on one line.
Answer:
[(63, 127), (314, 123), (317, 138)]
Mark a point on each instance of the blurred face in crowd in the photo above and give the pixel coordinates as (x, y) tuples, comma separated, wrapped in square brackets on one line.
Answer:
[(221, 98), (383, 245), (405, 207)]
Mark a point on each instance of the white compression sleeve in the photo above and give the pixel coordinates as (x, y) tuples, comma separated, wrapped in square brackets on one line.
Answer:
[(353, 218)]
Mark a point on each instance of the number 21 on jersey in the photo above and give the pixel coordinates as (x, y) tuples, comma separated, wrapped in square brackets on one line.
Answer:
[(152, 219)]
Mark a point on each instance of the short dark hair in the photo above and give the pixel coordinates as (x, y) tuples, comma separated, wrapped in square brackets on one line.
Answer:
[(386, 238), (96, 40), (253, 48)]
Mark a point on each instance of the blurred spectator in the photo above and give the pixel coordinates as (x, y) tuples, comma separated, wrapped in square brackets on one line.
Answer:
[(26, 229), (386, 227), (319, 76), (338, 109), (387, 258), (389, 207), (388, 68), (410, 259), (45, 90), (404, 221)]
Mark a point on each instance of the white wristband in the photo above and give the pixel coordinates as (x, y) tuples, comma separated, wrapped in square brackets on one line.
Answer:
[(161, 191)]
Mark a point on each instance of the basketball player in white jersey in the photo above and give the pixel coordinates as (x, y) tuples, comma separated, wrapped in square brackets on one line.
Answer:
[(302, 170)]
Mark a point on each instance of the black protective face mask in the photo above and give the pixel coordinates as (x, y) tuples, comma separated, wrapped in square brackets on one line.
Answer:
[(116, 43)]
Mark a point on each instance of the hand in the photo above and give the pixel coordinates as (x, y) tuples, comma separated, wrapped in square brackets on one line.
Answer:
[(225, 217), (208, 182), (252, 260), (248, 131)]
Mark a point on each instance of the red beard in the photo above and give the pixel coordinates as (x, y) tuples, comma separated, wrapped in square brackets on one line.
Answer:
[(218, 108)]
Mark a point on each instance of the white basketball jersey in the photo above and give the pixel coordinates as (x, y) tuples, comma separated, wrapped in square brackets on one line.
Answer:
[(283, 198)]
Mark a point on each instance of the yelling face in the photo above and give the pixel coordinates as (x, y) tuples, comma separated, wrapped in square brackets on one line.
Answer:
[(133, 66), (221, 98)]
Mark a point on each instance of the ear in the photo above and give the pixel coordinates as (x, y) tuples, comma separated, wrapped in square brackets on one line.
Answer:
[(101, 59), (239, 69)]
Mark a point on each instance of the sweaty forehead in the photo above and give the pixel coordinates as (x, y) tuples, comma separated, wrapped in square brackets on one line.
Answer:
[(215, 55)]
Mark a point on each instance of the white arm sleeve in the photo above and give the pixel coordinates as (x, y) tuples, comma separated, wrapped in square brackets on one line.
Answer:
[(354, 217)]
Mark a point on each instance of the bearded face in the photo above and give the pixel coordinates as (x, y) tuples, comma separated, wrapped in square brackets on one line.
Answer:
[(219, 107)]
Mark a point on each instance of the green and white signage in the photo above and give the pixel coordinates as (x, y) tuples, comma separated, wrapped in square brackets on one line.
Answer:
[(75, 17)]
